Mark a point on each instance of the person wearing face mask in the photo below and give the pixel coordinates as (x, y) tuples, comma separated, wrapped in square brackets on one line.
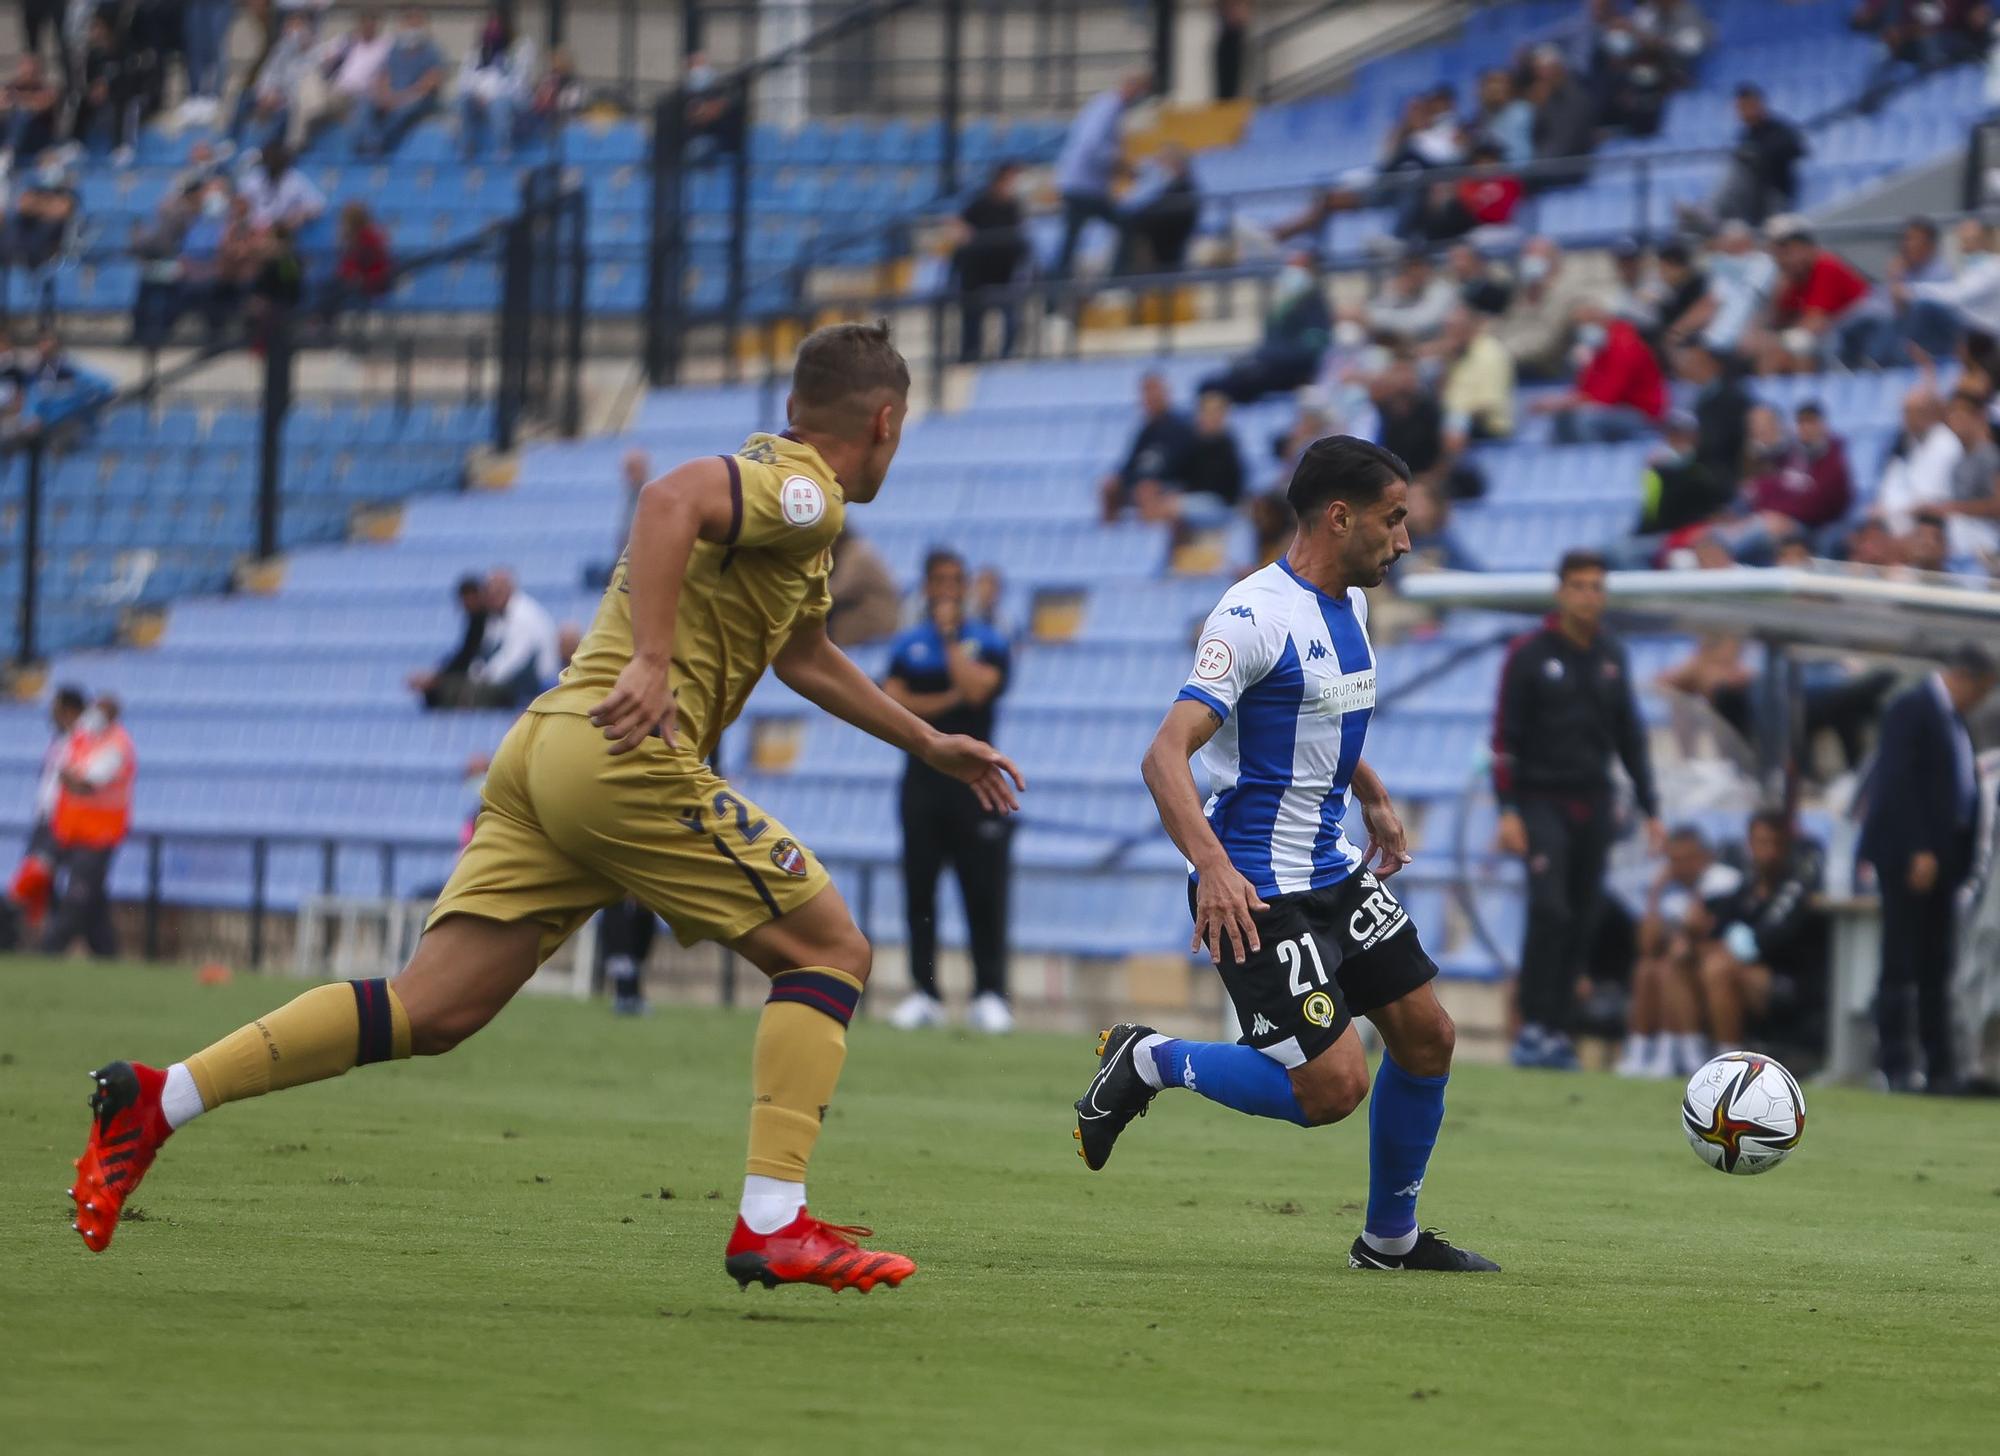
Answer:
[(493, 86), (1297, 329), (406, 89), (264, 110), (1536, 326), (1619, 393), (206, 285), (43, 212), (157, 247)]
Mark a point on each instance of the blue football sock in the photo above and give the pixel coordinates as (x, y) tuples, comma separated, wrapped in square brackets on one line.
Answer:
[(1236, 1076), (1403, 1120)]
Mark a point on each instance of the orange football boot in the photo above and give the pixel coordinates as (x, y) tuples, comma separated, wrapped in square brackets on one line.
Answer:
[(125, 1133), (807, 1251)]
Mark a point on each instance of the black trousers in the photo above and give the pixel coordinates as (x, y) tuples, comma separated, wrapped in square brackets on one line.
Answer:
[(1568, 843), (943, 824), (1917, 952), (83, 908), (624, 940)]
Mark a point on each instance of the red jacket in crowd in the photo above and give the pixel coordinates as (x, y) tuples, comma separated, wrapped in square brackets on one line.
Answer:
[(1624, 371), (1812, 490), (1490, 201), (1830, 287), (364, 263)]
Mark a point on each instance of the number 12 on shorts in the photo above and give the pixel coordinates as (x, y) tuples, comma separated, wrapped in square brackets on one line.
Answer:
[(1293, 955)]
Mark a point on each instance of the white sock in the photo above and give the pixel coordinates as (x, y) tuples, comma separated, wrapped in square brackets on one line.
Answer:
[(770, 1203), (1635, 1047), (1692, 1047), (1142, 1058), (180, 1099), (1402, 1245), (1659, 1052)]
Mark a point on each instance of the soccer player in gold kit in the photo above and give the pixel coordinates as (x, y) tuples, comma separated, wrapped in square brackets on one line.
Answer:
[(602, 789)]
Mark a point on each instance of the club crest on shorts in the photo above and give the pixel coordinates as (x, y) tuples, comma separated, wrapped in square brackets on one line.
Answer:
[(787, 856), (802, 500), (1319, 1009)]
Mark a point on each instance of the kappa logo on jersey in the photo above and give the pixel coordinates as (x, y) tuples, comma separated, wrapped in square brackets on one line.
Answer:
[(1412, 1190), (1378, 918), (1187, 1073), (1213, 660), (1241, 612), (1318, 1009), (1260, 1025), (801, 499), (1315, 652), (788, 857)]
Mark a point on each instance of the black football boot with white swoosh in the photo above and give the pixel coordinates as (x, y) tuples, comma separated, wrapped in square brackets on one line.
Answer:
[(1432, 1251), (1115, 1096)]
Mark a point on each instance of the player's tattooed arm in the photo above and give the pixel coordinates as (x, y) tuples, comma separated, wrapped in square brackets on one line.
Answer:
[(1225, 902), (1388, 844), (690, 503), (811, 666)]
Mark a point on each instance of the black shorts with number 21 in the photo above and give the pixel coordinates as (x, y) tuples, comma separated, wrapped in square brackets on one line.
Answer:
[(1325, 957)]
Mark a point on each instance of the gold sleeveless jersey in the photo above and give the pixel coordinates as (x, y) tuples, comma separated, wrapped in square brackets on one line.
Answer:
[(739, 602)]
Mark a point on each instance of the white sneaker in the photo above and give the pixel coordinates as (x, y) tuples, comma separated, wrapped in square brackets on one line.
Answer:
[(989, 1013), (917, 1011)]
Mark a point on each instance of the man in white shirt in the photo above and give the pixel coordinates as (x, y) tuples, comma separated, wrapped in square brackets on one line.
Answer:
[(345, 73), (1939, 310), (521, 656), (278, 192), (1919, 472), (1742, 277)]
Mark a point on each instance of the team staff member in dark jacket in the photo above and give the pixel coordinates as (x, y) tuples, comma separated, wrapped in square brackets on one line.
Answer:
[(1566, 709), (1922, 800), (950, 671), (1768, 960)]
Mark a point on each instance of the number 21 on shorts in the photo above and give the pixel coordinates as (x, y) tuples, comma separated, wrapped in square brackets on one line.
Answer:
[(1293, 955)]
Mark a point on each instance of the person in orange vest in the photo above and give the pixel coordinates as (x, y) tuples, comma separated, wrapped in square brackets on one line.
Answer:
[(35, 877), (93, 812)]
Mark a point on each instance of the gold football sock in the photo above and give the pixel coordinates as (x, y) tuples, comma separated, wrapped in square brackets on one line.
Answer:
[(801, 1043), (318, 1035)]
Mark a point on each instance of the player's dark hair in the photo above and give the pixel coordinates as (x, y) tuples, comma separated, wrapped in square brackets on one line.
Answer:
[(1775, 820), (69, 696), (1812, 409), (841, 371), (1687, 834), (1341, 467), (1675, 253), (941, 556), (1581, 559)]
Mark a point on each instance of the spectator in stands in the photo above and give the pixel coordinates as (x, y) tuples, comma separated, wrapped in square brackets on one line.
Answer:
[(44, 211), (215, 257), (1160, 214), (1478, 385), (63, 396), (1232, 44), (156, 245), (1537, 326), (277, 282), (714, 112), (1919, 36), (1683, 303), (518, 656), (1090, 158), (991, 245), (1876, 331), (406, 89), (494, 84), (1917, 472), (279, 193), (866, 606), (35, 877), (1410, 423), (345, 72), (1504, 117), (556, 97), (1924, 548), (1272, 526), (1212, 480), (444, 686), (205, 39), (1619, 393), (363, 264), (950, 671), (106, 103), (1937, 312), (1972, 511), (30, 112), (1484, 198), (1157, 459), (1917, 830), (1296, 331), (265, 109), (1817, 291), (203, 165), (1679, 491), (1566, 709), (985, 603), (1683, 910), (1789, 485), (1767, 963), (1565, 119), (1682, 32), (1763, 171), (1742, 277), (1721, 409), (1630, 75), (1411, 305), (1481, 287)]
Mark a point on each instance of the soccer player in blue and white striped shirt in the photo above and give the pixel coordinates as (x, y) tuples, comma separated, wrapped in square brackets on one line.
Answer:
[(1298, 921)]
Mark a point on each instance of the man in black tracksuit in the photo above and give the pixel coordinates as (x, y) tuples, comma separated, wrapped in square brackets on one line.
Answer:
[(1566, 708), (950, 671)]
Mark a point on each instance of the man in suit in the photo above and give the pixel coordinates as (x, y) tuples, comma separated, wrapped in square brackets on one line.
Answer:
[(1922, 806)]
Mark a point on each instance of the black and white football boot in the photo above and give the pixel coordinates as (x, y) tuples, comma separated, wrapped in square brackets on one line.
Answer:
[(1115, 1096), (1432, 1251)]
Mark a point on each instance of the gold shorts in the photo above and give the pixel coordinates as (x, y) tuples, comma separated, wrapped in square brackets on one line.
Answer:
[(565, 829)]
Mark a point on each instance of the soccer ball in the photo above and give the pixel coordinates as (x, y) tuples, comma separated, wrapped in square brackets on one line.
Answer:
[(1743, 1113)]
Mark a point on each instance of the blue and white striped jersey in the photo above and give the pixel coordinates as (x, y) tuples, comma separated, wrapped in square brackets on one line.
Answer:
[(1291, 673)]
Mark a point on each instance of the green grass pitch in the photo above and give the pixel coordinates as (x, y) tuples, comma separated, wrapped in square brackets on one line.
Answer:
[(476, 1255)]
